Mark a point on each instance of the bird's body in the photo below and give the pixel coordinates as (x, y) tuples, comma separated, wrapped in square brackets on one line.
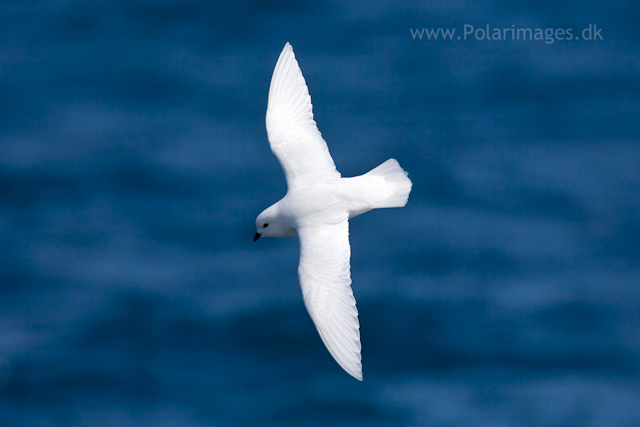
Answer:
[(317, 207)]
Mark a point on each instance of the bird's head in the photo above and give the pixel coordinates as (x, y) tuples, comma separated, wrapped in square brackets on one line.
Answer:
[(271, 224)]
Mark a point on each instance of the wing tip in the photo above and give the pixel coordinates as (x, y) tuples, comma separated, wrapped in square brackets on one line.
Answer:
[(355, 372)]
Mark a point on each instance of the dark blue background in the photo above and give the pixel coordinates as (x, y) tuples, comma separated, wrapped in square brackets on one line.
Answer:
[(134, 160)]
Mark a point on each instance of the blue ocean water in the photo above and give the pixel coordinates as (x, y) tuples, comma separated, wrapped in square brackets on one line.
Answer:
[(134, 160)]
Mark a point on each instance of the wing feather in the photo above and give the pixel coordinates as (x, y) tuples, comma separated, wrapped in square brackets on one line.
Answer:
[(293, 134), (325, 280)]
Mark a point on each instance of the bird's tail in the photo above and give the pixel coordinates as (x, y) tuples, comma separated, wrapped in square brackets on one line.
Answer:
[(393, 190), (386, 186)]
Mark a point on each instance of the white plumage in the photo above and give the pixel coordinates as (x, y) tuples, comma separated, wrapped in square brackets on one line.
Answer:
[(317, 207)]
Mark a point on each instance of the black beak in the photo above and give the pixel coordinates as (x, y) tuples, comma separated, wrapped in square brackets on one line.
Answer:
[(256, 237)]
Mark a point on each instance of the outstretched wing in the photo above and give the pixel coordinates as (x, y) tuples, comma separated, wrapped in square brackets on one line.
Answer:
[(326, 287), (294, 137)]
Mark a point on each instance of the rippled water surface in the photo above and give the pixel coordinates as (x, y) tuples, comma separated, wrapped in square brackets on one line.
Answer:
[(134, 160)]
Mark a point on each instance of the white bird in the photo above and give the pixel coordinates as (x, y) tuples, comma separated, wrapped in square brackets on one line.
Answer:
[(317, 209)]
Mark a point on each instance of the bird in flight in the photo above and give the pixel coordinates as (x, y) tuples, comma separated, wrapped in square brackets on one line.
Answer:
[(317, 208)]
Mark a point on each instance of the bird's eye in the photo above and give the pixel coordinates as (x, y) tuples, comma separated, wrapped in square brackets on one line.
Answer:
[(265, 225)]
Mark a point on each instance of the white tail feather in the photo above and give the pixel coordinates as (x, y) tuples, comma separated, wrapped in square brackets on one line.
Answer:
[(386, 186), (396, 187)]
